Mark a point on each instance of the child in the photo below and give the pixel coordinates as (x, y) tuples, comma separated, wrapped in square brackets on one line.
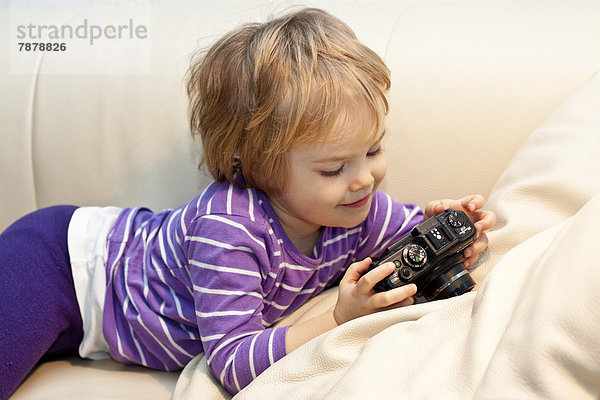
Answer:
[(291, 116)]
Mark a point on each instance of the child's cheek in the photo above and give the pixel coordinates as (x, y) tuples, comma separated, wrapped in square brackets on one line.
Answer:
[(380, 169)]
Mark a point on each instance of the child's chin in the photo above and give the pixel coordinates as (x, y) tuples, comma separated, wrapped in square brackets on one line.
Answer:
[(352, 222)]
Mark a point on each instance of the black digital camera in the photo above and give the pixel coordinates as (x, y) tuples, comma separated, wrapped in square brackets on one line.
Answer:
[(431, 257)]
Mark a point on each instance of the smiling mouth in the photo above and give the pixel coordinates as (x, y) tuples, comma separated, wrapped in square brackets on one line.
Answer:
[(358, 203)]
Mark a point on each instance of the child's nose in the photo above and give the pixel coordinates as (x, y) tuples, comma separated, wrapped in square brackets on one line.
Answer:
[(364, 178)]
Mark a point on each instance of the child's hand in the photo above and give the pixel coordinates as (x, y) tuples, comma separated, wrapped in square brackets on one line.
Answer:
[(483, 220), (357, 297)]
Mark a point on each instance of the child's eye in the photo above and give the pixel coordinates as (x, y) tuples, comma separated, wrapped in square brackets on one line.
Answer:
[(375, 152), (332, 173)]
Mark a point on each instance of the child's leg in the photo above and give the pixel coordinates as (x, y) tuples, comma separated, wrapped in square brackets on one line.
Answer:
[(39, 313)]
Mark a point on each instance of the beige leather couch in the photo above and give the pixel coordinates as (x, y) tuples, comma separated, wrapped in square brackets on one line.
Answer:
[(107, 126)]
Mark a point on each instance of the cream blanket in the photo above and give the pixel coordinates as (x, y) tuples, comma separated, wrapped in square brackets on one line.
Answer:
[(532, 330)]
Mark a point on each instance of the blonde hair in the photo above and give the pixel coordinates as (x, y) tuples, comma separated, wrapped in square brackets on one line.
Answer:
[(264, 89)]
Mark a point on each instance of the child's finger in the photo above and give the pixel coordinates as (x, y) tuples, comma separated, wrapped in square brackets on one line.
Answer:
[(472, 202), (406, 302), (356, 269), (472, 252), (368, 281), (486, 220), (395, 296), (480, 243), (438, 206), (409, 301), (477, 246), (431, 207)]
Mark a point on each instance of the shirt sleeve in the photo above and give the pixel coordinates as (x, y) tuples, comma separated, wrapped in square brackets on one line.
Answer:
[(225, 256), (387, 222)]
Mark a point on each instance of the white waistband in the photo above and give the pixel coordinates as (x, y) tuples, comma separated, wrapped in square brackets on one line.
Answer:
[(87, 243)]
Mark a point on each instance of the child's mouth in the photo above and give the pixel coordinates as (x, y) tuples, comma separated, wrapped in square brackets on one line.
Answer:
[(358, 203)]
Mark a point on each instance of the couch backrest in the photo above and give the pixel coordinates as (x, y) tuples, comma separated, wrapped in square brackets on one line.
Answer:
[(470, 81)]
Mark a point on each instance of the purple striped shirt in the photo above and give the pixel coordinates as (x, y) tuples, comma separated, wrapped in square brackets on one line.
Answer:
[(213, 275)]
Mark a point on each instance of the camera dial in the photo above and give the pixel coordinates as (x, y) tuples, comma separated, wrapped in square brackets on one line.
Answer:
[(414, 255), (455, 219)]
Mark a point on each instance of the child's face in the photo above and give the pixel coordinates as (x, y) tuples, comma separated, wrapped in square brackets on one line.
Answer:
[(332, 183)]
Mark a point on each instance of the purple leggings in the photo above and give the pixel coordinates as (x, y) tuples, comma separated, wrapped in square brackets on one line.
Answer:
[(39, 314)]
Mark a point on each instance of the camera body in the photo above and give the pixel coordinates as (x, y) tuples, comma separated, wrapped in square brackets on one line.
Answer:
[(431, 256)]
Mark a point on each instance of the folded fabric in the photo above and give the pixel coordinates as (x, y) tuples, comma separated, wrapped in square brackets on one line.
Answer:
[(530, 332), (552, 175)]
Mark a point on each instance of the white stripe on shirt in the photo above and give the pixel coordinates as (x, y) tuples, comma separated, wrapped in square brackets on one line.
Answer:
[(342, 236), (225, 343), (226, 292), (218, 244), (251, 357), (229, 194), (235, 225), (251, 205), (271, 358), (211, 337), (388, 215), (223, 313), (225, 269)]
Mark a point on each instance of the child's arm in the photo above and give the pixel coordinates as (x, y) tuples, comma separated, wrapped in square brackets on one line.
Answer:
[(356, 298), (301, 333), (225, 253)]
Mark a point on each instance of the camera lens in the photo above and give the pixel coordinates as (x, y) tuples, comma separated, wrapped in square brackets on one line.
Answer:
[(453, 282)]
